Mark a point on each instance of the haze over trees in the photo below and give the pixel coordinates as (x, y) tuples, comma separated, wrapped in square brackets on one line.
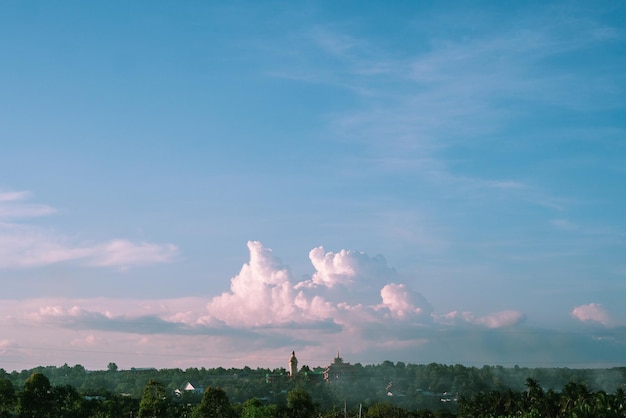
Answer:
[(383, 390)]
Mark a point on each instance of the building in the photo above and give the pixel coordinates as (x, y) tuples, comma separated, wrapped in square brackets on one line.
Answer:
[(189, 388), (338, 370)]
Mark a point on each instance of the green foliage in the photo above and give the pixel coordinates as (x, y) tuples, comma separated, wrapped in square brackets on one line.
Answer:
[(414, 389), (154, 401), (214, 404), (68, 403), (574, 401), (8, 398), (112, 406), (300, 404), (254, 408), (385, 410), (36, 400)]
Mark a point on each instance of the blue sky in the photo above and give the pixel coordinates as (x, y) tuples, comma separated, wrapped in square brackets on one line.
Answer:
[(418, 181)]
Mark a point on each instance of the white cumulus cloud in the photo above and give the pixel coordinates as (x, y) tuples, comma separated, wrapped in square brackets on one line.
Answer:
[(260, 294), (346, 285), (402, 302), (347, 267), (332, 269)]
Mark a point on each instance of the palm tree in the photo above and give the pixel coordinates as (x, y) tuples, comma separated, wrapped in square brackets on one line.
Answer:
[(618, 400), (511, 403), (574, 395), (534, 396)]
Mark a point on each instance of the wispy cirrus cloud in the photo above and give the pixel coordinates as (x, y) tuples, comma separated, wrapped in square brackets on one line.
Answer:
[(12, 206), (415, 108), (124, 253), (24, 245), (10, 196)]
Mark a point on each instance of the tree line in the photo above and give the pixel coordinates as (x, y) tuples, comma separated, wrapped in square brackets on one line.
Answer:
[(575, 400), (383, 390)]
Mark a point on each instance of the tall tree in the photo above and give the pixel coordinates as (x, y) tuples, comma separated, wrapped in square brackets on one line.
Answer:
[(214, 404), (7, 398), (154, 401), (534, 396), (300, 404), (68, 403), (37, 399)]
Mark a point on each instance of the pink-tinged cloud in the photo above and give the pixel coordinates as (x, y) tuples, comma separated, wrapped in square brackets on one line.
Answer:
[(347, 267), (332, 269), (317, 307), (12, 207), (87, 341), (261, 294), (5, 345), (338, 292), (402, 303), (593, 313), (494, 320), (265, 310), (124, 253), (23, 246), (13, 196), (454, 318), (501, 319)]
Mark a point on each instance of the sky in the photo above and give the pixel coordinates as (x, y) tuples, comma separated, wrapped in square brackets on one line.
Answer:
[(207, 184)]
